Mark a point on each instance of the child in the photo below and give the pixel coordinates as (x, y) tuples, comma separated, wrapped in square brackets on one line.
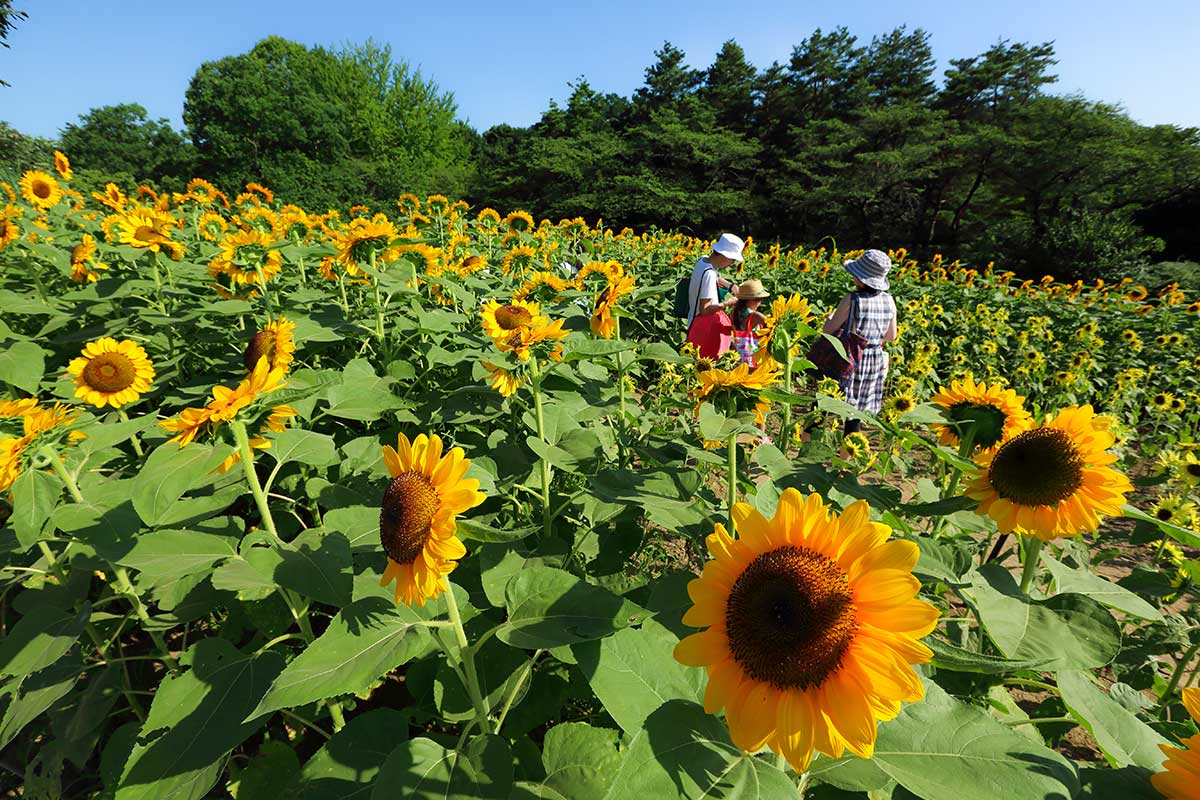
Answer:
[(746, 318)]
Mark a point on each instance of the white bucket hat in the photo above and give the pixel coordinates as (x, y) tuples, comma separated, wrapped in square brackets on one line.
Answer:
[(729, 246), (871, 268)]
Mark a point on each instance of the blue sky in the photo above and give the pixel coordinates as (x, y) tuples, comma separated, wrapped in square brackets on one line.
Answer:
[(504, 60)]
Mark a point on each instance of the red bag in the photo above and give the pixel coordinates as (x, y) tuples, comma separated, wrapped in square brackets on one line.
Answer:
[(826, 359), (711, 334)]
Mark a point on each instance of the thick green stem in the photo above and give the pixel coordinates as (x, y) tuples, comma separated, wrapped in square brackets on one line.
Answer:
[(786, 431), (1177, 673), (378, 300), (1029, 565), (516, 689), (133, 438), (64, 475), (731, 478), (260, 497), (536, 385), (468, 659)]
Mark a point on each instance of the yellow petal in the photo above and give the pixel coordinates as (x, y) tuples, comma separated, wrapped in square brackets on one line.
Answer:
[(850, 712), (751, 715), (724, 679), (702, 649)]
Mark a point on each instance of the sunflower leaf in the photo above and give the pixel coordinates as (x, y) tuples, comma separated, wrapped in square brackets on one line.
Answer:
[(548, 608)]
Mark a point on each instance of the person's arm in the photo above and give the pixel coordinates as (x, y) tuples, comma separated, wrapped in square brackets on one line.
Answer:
[(708, 304), (838, 318), (712, 306), (890, 335), (757, 319)]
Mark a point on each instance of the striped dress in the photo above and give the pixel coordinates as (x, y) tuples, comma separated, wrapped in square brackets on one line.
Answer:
[(873, 315)]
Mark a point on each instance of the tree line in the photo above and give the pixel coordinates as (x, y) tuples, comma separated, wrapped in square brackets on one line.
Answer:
[(858, 141)]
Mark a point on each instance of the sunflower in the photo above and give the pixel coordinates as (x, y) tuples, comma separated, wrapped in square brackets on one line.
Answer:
[(244, 254), (1177, 405), (226, 403), (17, 408), (542, 286), (112, 196), (276, 422), (40, 189), (812, 625), (84, 264), (993, 414), (34, 421), (897, 405), (1137, 294), (1181, 770), (1162, 400), (523, 217), (111, 373), (362, 238), (715, 381), (149, 229), (417, 516), (1189, 469), (1052, 480), (518, 325), (211, 225), (1174, 509), (1194, 307), (518, 260), (603, 323), (504, 381), (274, 342)]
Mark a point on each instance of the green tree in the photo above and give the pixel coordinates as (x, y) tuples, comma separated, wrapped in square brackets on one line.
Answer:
[(122, 139), (729, 86), (668, 80), (8, 22)]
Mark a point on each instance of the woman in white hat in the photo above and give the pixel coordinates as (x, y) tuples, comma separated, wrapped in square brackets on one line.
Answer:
[(709, 328), (872, 315)]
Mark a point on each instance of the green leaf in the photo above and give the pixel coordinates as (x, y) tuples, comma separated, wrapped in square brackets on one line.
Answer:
[(163, 556), (40, 638), (22, 365), (479, 532), (957, 659), (195, 720), (1128, 783), (941, 749), (297, 444), (359, 524), (106, 434), (661, 351), (273, 773), (925, 413), (366, 640), (1067, 631), (716, 427), (421, 769), (35, 694), (34, 495), (684, 753), (1103, 591), (316, 564), (844, 410), (1123, 738), (1181, 535), (549, 608), (170, 472), (345, 768), (633, 672), (580, 761)]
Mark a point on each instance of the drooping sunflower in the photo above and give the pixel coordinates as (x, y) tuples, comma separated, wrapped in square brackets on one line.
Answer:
[(35, 421), (62, 165), (417, 515), (111, 373), (1053, 480), (85, 267), (541, 287), (40, 189), (244, 254), (741, 378), (276, 422), (812, 627), (1180, 778), (17, 408), (362, 238), (994, 414), (275, 342), (504, 381), (149, 229), (603, 323), (226, 403)]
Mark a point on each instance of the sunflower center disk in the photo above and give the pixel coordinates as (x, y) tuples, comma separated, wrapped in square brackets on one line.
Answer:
[(510, 318), (41, 189), (1193, 470), (261, 344), (1041, 467), (406, 515), (109, 372), (790, 618), (986, 421)]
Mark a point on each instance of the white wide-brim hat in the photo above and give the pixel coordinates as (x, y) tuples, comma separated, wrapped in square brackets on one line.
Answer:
[(729, 246), (871, 268)]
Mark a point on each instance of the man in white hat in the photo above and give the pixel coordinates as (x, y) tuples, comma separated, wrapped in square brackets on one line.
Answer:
[(709, 328)]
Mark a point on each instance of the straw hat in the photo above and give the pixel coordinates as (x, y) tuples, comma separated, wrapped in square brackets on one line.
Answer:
[(871, 268), (751, 290)]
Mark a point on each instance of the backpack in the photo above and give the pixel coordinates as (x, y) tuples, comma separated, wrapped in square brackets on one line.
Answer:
[(682, 304)]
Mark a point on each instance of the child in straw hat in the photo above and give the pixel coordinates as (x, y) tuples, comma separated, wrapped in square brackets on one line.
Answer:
[(747, 318)]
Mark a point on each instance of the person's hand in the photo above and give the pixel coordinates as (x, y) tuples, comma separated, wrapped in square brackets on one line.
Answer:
[(730, 301)]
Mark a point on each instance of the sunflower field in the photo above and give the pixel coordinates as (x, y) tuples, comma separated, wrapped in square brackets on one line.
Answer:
[(430, 502)]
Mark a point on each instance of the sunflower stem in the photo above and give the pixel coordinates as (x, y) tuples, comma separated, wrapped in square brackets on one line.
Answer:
[(260, 498), (622, 455), (1177, 673), (536, 385), (785, 431), (133, 438), (262, 281), (731, 474), (512, 695), (378, 299), (1029, 564), (64, 475), (468, 658)]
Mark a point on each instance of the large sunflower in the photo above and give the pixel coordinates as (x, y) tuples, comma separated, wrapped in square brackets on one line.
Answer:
[(1053, 480), (417, 515), (361, 238), (244, 255), (225, 403), (518, 326), (994, 414), (149, 229), (1180, 778), (603, 323), (812, 625), (111, 373), (274, 342), (35, 421), (40, 189), (714, 381)]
